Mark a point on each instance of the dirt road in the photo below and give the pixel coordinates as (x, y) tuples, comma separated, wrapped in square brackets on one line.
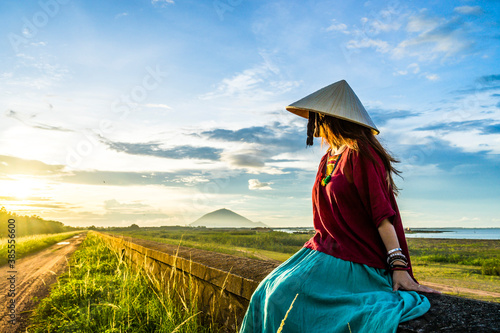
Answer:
[(460, 290), (33, 276)]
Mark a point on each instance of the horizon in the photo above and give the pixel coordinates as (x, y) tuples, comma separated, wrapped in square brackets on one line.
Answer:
[(267, 226), (149, 112)]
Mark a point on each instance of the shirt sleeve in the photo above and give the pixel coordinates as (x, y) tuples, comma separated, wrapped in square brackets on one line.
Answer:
[(370, 179)]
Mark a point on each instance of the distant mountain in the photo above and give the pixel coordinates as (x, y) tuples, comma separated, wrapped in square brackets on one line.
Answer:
[(224, 218)]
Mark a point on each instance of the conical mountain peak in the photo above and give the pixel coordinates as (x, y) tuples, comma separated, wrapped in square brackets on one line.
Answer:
[(225, 218)]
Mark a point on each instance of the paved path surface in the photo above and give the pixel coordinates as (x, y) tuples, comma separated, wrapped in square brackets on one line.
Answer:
[(34, 275)]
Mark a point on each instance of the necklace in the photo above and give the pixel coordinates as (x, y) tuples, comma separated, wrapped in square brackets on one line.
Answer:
[(327, 179)]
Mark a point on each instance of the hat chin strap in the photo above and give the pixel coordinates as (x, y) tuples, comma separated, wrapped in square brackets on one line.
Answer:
[(311, 128)]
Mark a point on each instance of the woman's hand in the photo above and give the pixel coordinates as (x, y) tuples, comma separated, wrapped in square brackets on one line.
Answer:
[(401, 280)]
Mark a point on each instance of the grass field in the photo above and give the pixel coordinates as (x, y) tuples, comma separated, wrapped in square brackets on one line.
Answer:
[(30, 244), (473, 264), (458, 263), (101, 293)]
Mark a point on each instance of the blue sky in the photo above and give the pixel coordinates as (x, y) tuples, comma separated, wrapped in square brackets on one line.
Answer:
[(157, 112)]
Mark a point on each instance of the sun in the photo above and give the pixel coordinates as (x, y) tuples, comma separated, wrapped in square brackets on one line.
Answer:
[(21, 188)]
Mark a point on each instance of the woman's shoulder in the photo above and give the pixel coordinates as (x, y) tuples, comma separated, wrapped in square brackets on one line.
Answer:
[(365, 154)]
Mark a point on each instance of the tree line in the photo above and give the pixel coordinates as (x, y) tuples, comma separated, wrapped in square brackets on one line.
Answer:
[(30, 225)]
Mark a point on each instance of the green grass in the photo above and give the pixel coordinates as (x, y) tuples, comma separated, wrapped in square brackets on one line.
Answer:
[(30, 244), (458, 263), (275, 241), (455, 275), (483, 254), (247, 252), (472, 264), (101, 293), (246, 243)]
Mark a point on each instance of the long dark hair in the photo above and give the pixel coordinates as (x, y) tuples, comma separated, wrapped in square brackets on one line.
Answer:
[(337, 132)]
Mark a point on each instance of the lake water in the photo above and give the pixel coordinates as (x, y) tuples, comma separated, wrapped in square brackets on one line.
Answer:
[(457, 233), (454, 233)]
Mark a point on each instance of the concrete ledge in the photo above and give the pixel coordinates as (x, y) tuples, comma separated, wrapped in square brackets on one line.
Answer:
[(455, 314), (220, 293), (232, 283), (226, 284)]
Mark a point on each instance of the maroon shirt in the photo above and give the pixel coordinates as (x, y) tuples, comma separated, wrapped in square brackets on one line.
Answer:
[(348, 210)]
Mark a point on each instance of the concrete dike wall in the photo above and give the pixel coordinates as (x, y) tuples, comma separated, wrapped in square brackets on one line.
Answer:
[(222, 294), (225, 283)]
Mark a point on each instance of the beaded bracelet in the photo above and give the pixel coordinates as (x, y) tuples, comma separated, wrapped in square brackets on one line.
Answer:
[(396, 255), (394, 250), (393, 261)]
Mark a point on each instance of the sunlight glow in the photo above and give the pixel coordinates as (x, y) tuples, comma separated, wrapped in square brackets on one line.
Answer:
[(22, 188)]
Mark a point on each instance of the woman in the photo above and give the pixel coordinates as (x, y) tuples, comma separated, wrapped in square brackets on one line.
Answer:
[(354, 274)]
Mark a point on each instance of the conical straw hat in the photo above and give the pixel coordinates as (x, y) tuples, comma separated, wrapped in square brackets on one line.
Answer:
[(337, 100)]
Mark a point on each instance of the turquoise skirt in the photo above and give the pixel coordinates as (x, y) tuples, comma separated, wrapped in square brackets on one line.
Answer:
[(333, 295)]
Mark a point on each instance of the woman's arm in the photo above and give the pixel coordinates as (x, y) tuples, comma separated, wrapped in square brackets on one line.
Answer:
[(401, 279)]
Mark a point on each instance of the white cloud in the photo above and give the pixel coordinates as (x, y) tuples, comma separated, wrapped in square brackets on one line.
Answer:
[(385, 27), (117, 16), (255, 184), (427, 37), (162, 2), (35, 72), (473, 141), (411, 166), (159, 106), (422, 23), (476, 106), (469, 10), (38, 44), (6, 75), (267, 170), (436, 37), (27, 33), (337, 26), (385, 21), (244, 81), (414, 67), (263, 80), (380, 45), (432, 77), (193, 180)]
